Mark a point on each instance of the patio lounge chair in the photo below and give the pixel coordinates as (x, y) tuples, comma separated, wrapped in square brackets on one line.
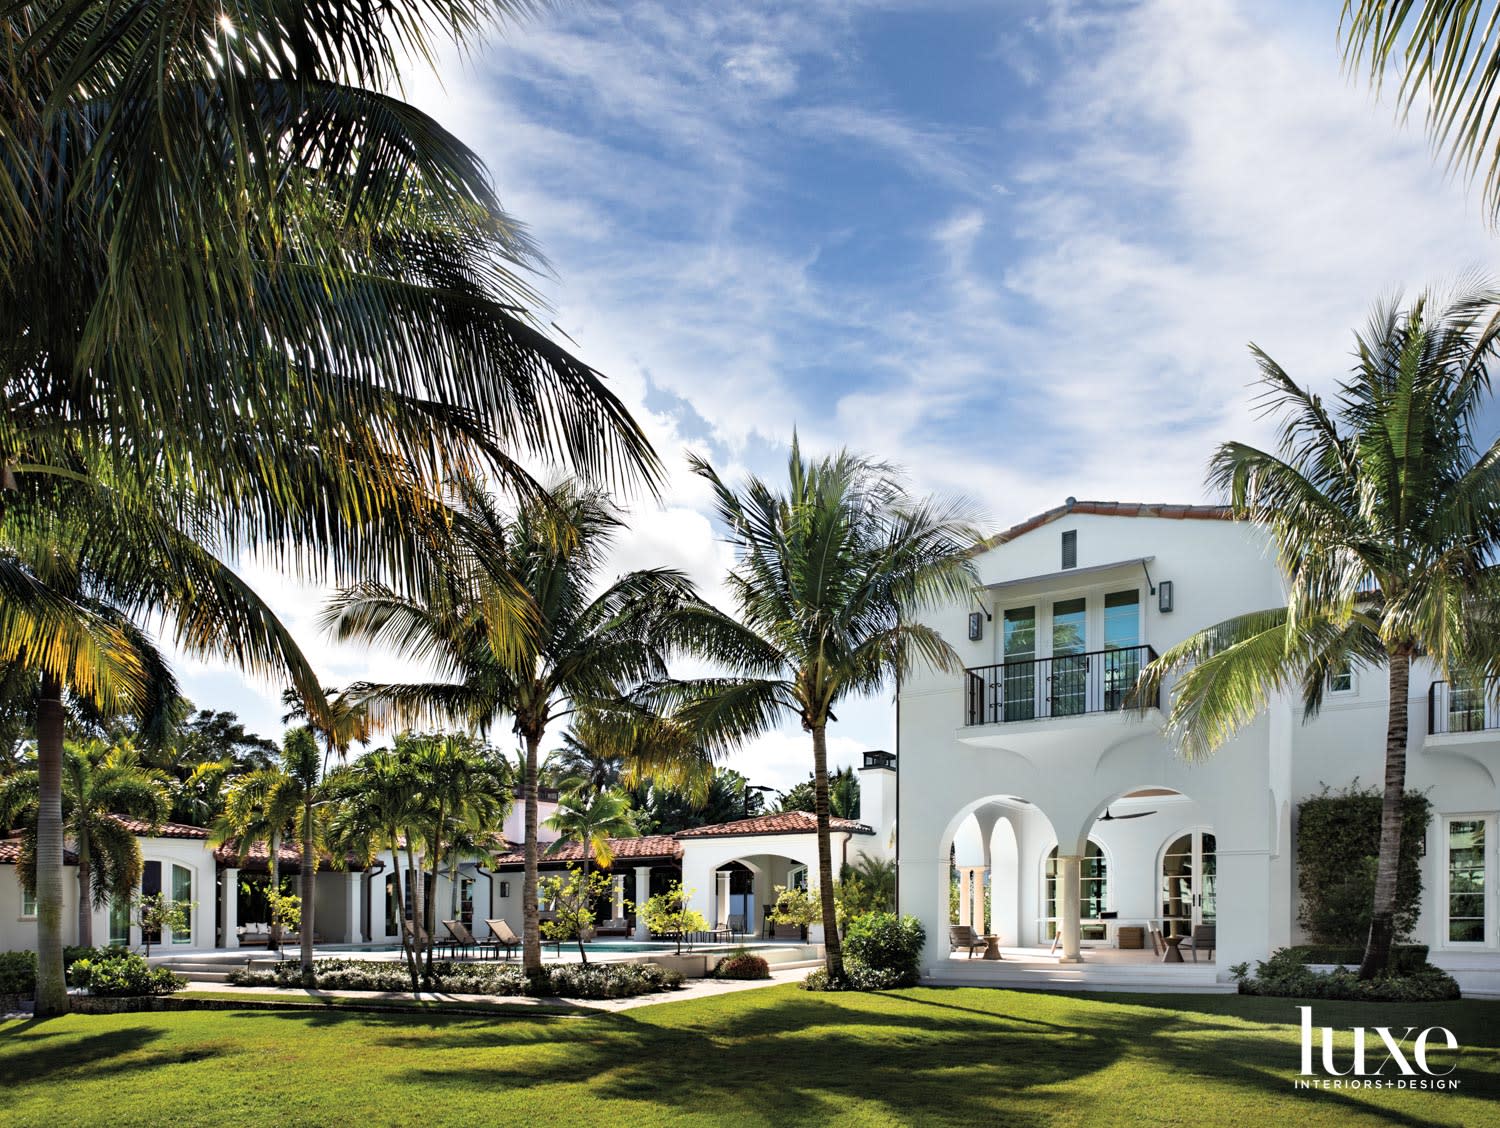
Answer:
[(736, 925), (464, 940), (964, 936), (1204, 938), (505, 937), (416, 935)]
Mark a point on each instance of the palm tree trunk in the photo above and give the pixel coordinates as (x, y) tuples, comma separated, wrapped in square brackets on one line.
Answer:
[(274, 864), (1383, 919), (85, 890), (51, 986), (531, 937), (833, 948), (418, 901), (430, 919), (306, 884), (407, 941)]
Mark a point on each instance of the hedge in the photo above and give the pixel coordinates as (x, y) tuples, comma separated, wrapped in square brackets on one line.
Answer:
[(1405, 958), (1338, 842)]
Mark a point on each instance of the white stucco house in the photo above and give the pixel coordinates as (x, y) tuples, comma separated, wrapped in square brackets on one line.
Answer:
[(1077, 816)]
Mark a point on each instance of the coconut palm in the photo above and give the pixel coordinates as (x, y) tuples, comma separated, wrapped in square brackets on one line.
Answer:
[(1385, 517), (232, 267), (518, 622), (465, 797), (100, 782), (266, 807), (830, 576), (592, 818), (377, 806), (1447, 53)]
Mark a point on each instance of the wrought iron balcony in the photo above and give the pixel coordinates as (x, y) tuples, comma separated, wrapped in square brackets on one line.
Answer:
[(1065, 685), (1467, 706)]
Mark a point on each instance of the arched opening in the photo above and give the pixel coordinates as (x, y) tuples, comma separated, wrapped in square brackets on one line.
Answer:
[(1189, 885)]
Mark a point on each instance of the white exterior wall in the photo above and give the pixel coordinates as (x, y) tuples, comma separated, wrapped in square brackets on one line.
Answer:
[(770, 857), (1071, 768)]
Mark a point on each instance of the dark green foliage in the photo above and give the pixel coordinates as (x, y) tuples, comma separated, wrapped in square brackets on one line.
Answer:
[(666, 810), (883, 950), (17, 973), (1338, 841), (124, 975), (1284, 975), (843, 795), (742, 964), (1404, 957), (569, 981)]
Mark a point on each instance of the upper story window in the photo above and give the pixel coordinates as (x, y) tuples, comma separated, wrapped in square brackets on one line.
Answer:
[(28, 904), (1122, 619), (1070, 549), (1341, 679)]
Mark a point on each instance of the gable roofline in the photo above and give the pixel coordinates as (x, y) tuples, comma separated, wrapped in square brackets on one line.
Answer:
[(1164, 510)]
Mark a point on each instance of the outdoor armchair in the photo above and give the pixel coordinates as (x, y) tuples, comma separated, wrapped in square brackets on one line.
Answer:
[(962, 936)]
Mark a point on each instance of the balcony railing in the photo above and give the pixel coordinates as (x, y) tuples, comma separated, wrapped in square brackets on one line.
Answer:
[(1065, 685), (1467, 706)]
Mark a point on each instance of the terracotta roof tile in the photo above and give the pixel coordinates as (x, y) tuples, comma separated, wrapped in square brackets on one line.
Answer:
[(10, 852), (625, 849), (787, 822), (161, 830), (1113, 509)]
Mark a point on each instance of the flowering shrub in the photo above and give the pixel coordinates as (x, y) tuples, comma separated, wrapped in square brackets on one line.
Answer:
[(569, 981)]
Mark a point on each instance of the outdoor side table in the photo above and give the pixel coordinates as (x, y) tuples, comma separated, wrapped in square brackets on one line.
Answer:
[(992, 948), (1174, 955)]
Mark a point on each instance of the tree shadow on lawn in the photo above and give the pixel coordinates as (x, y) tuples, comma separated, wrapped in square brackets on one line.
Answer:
[(93, 1056)]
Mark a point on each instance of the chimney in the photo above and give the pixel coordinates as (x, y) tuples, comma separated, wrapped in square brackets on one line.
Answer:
[(877, 796)]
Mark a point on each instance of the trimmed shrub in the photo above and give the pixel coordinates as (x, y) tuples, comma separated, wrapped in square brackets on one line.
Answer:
[(1285, 976), (817, 980), (17, 973), (568, 981), (1338, 840), (742, 964), (1405, 958), (884, 950), (115, 976)]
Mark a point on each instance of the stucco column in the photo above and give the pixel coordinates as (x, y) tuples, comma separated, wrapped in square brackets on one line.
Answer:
[(642, 895), (353, 882), (979, 922), (617, 904), (229, 908), (1068, 892), (721, 918), (965, 912)]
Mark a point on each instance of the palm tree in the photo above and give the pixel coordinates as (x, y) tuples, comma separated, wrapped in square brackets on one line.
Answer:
[(514, 613), (297, 303), (1447, 53), (466, 794), (1385, 518), (592, 818), (378, 803), (829, 578), (341, 723), (99, 783), (266, 806)]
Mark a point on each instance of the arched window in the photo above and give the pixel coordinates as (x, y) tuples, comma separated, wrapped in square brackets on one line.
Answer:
[(1093, 893)]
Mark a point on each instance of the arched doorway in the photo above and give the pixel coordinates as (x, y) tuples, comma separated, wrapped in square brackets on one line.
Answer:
[(1189, 871)]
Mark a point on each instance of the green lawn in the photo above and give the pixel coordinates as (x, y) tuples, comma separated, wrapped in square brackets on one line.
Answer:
[(775, 1056)]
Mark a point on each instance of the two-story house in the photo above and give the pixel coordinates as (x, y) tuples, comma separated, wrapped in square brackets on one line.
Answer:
[(1071, 816)]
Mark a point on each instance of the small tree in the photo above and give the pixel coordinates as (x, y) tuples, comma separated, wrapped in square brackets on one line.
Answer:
[(573, 900), (158, 913), (796, 906), (667, 914), (286, 912)]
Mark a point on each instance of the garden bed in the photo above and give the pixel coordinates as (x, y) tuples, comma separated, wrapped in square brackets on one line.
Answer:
[(566, 981)]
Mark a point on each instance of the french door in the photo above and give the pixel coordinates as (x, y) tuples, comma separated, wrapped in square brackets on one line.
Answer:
[(1188, 871)]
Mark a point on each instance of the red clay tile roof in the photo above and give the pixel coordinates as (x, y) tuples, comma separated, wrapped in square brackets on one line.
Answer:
[(161, 830), (1113, 509), (10, 853), (624, 849), (787, 822)]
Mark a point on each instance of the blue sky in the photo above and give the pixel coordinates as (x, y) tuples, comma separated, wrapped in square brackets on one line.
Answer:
[(1019, 248)]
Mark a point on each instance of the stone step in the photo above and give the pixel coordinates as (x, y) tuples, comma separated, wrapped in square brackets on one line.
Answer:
[(1146, 980)]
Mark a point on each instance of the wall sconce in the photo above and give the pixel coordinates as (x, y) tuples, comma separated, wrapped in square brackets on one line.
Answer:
[(505, 889), (1164, 596), (976, 626)]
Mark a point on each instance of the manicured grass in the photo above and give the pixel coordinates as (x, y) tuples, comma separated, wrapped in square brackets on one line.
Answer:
[(774, 1056)]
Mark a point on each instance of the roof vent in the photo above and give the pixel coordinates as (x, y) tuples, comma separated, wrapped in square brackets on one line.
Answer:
[(1070, 549)]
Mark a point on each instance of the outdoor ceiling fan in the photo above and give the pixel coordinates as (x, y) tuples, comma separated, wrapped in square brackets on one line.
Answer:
[(1107, 817)]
